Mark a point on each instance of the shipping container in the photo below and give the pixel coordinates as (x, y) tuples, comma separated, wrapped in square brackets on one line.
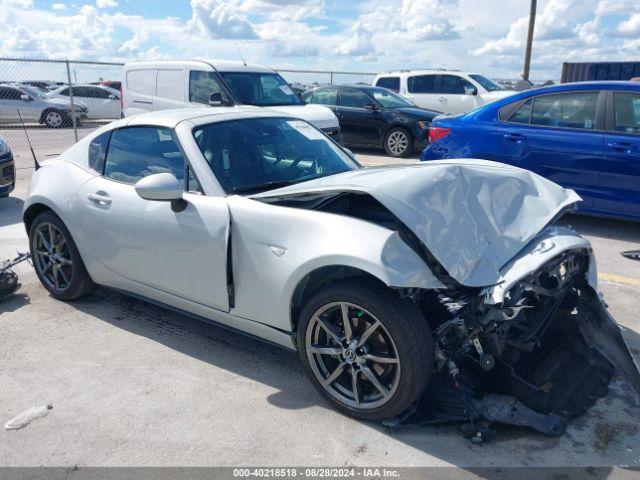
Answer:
[(588, 71)]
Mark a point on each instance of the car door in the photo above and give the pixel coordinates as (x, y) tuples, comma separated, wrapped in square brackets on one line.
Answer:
[(181, 253), (558, 136), (106, 104), (421, 90), (12, 100), (360, 124), (456, 94), (620, 174)]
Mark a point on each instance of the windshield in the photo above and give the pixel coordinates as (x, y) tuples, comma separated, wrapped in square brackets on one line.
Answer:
[(258, 154), (32, 91), (487, 84), (261, 89), (388, 99)]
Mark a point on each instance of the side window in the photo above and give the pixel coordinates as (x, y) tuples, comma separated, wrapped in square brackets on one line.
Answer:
[(137, 152), (392, 83), (170, 84), (83, 92), (422, 84), (10, 94), (453, 84), (64, 92), (522, 114), (99, 93), (193, 186), (201, 86), (98, 151), (350, 97), (567, 110), (626, 108), (328, 96), (142, 81)]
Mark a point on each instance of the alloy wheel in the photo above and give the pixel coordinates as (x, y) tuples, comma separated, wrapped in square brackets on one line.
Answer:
[(54, 119), (352, 355), (52, 257), (397, 142)]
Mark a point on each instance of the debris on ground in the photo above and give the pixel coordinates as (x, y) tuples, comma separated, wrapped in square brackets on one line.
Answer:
[(631, 254), (8, 278), (28, 416)]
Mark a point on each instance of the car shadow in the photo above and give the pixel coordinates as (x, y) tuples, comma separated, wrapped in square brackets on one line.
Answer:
[(605, 429), (603, 227), (10, 211), (13, 302)]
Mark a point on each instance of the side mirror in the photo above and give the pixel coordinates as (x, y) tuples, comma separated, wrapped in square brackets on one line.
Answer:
[(372, 106), (470, 90), (112, 96), (25, 98), (162, 187), (218, 99)]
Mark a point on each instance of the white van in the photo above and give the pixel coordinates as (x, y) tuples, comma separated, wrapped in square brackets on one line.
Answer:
[(159, 85), (446, 91)]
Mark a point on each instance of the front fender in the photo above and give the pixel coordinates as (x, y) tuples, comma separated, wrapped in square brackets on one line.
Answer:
[(274, 248)]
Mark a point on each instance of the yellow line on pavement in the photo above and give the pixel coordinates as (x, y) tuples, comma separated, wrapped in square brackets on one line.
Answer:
[(610, 277)]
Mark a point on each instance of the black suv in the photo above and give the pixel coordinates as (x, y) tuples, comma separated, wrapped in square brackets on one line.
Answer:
[(7, 170)]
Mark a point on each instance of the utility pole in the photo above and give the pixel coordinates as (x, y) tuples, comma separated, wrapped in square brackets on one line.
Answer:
[(527, 54)]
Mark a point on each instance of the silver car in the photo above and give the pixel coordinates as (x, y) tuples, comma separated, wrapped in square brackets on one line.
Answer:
[(33, 105), (402, 288)]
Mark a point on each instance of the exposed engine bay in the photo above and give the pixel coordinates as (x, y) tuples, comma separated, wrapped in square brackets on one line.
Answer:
[(541, 356)]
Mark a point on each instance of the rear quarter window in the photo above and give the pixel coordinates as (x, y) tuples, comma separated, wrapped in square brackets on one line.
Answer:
[(392, 83)]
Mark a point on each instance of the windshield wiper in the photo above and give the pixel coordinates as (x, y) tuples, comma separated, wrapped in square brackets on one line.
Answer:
[(263, 186)]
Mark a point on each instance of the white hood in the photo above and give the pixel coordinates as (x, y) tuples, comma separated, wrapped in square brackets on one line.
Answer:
[(497, 95), (317, 115)]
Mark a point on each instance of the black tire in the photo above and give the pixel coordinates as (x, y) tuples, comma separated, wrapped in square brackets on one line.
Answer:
[(405, 326), (54, 118), (80, 283), (393, 142)]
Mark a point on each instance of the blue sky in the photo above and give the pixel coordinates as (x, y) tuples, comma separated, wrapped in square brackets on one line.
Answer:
[(373, 35)]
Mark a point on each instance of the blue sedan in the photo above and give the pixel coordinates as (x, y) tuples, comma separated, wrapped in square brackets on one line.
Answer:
[(584, 136)]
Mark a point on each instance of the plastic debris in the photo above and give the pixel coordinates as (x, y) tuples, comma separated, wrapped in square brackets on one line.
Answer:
[(28, 416)]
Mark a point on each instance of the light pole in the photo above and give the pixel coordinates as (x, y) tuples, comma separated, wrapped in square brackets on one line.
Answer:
[(527, 53)]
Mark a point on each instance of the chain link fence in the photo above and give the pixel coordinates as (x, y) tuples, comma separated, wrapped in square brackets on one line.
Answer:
[(61, 101)]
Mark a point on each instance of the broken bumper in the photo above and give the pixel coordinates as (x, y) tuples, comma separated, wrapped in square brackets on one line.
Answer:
[(542, 355)]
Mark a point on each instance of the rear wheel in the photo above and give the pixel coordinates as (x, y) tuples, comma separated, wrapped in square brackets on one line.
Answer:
[(366, 351), (398, 143), (56, 259)]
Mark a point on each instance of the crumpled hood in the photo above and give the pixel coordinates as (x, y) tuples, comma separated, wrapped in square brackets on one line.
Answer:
[(472, 215), (64, 102), (317, 115)]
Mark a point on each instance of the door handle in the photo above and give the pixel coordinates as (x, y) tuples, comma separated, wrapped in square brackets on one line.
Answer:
[(514, 137), (621, 146), (442, 99), (99, 199)]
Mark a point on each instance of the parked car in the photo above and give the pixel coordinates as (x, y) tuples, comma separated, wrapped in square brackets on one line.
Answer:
[(34, 106), (383, 279), (115, 84), (101, 102), (584, 136), (160, 85), (447, 91), (7, 170), (375, 117), (44, 85)]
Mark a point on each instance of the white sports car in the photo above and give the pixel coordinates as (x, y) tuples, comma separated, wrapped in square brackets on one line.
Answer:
[(440, 290)]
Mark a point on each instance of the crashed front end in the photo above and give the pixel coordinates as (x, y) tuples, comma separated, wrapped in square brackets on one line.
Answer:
[(534, 350)]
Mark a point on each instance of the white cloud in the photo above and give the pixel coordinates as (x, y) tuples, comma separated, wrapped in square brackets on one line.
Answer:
[(58, 6), (218, 19), (629, 27), (106, 3)]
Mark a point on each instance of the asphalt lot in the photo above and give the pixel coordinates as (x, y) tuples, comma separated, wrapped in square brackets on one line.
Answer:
[(135, 385)]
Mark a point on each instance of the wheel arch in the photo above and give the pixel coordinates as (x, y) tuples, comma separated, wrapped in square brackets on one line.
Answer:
[(33, 210), (318, 279)]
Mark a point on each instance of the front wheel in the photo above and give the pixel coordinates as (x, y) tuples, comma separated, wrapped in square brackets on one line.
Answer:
[(398, 143), (55, 119), (368, 352), (56, 258)]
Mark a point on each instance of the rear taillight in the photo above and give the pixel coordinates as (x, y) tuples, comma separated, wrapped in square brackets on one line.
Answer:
[(436, 133)]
